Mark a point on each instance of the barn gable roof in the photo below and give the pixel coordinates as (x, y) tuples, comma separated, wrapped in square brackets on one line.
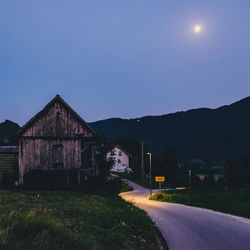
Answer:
[(56, 99), (8, 149)]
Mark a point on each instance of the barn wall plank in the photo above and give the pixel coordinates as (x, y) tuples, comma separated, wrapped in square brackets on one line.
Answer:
[(50, 154), (53, 142)]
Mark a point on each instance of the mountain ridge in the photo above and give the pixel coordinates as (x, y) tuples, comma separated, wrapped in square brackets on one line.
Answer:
[(213, 135), (7, 129), (246, 99), (205, 133)]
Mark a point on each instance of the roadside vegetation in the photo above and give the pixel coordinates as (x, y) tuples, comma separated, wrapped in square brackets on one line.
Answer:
[(222, 188), (43, 219), (235, 202)]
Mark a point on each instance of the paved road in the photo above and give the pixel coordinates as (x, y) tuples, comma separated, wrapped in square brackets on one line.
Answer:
[(191, 228)]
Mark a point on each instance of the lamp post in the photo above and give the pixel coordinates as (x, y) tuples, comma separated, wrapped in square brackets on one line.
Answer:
[(190, 177), (150, 173)]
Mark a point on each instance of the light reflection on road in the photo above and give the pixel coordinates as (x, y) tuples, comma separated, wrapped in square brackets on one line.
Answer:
[(185, 227)]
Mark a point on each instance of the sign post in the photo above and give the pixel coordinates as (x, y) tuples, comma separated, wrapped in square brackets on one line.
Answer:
[(160, 179)]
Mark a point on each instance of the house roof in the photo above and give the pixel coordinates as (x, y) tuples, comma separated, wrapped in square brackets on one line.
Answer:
[(122, 149), (8, 149), (56, 99)]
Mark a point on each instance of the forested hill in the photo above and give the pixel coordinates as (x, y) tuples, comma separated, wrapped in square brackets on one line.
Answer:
[(7, 129), (213, 135)]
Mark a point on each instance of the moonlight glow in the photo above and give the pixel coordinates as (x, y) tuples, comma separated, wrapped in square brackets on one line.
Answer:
[(197, 28)]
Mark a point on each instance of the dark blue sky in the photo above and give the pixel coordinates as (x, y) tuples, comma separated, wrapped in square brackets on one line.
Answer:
[(118, 58)]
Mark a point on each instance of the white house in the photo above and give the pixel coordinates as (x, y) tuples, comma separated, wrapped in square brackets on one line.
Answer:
[(121, 159)]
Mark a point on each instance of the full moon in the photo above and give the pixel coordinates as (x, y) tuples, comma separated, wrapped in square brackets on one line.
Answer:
[(197, 28)]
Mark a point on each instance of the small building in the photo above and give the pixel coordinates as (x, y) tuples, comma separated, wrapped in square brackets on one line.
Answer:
[(56, 139), (216, 177), (121, 159), (8, 164), (217, 173)]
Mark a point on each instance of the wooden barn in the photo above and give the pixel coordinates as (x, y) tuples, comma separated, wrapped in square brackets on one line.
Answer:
[(56, 139)]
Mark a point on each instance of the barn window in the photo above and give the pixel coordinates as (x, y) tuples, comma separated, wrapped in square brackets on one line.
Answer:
[(112, 152), (120, 153)]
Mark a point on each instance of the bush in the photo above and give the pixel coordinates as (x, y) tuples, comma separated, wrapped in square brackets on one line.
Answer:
[(56, 180)]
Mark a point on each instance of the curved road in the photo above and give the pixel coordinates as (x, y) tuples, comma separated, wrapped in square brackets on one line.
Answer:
[(191, 228)]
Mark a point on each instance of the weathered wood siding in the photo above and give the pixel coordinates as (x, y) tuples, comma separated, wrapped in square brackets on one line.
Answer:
[(53, 139), (52, 142), (58, 122), (39, 154)]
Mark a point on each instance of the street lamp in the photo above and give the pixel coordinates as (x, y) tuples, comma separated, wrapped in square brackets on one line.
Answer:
[(150, 181), (190, 177)]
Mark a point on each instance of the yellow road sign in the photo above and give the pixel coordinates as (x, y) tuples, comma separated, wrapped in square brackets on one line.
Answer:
[(159, 178)]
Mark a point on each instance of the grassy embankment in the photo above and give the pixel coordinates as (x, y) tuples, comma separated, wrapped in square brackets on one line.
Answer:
[(33, 219), (235, 202)]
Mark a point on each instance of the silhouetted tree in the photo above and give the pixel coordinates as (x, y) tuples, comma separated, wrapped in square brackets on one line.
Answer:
[(238, 171), (210, 180), (196, 181), (170, 167), (104, 164)]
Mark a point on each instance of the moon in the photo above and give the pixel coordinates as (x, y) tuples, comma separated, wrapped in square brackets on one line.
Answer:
[(197, 28)]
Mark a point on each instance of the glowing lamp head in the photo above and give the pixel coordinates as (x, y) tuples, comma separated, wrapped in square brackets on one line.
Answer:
[(197, 28)]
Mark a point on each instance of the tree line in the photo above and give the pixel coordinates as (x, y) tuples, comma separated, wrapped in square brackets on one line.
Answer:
[(236, 171)]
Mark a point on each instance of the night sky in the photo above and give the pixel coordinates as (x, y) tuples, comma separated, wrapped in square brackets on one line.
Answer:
[(122, 58)]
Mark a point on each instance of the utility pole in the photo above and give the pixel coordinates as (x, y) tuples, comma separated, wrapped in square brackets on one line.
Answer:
[(150, 171), (142, 160), (190, 177), (93, 160)]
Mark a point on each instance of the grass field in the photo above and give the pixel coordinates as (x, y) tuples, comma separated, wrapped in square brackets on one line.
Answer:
[(72, 220), (235, 202)]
